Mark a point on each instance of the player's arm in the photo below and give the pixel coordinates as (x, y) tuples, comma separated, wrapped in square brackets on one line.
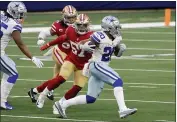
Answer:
[(17, 38), (46, 33), (58, 40), (89, 44)]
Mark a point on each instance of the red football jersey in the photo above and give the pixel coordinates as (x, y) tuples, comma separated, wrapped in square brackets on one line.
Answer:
[(59, 28), (77, 56)]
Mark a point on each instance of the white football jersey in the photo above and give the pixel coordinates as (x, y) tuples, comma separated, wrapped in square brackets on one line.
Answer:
[(8, 25), (104, 52)]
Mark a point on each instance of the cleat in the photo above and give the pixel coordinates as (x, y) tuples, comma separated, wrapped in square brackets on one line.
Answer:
[(40, 103), (127, 112), (59, 110), (6, 106), (50, 95), (32, 95)]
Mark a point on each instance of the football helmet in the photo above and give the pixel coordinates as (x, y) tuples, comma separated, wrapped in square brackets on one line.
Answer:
[(69, 14), (82, 24), (17, 10), (112, 25)]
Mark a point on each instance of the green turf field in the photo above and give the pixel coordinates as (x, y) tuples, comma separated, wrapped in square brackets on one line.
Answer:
[(149, 83)]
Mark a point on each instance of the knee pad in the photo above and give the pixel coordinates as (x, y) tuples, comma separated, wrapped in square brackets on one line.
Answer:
[(12, 79), (118, 83), (90, 99)]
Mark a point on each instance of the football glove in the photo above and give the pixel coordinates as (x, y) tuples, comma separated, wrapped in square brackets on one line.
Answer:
[(88, 46), (40, 42), (37, 62), (122, 49)]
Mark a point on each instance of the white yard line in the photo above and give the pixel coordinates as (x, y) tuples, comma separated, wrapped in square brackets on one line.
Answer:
[(151, 84), (48, 118), (127, 48), (145, 40), (126, 39), (124, 26), (148, 87), (132, 57), (141, 101), (146, 70), (149, 49), (142, 32), (163, 121)]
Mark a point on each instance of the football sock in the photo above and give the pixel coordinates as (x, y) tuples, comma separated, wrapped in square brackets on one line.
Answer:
[(119, 95), (72, 92), (81, 99), (55, 82), (62, 99), (43, 94), (35, 90), (40, 88)]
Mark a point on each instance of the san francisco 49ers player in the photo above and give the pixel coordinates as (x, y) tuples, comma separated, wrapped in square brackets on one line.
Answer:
[(74, 62), (60, 51)]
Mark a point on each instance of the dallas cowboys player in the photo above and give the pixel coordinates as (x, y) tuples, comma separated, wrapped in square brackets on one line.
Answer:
[(98, 70), (11, 28)]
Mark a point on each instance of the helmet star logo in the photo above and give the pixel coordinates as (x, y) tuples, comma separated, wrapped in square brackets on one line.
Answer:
[(16, 5)]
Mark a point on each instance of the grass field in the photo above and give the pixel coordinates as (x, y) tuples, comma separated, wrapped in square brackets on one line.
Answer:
[(149, 83)]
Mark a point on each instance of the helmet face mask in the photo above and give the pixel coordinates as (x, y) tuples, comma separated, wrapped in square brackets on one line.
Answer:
[(69, 20), (69, 14), (82, 24), (112, 25)]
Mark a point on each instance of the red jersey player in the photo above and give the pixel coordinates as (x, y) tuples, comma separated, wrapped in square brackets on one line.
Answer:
[(74, 62), (59, 52)]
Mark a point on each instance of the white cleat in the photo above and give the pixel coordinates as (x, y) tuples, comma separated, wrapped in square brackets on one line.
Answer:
[(127, 112), (59, 110), (40, 103)]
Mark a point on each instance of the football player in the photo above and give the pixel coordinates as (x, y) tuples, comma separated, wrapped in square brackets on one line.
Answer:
[(11, 27), (60, 51), (98, 70), (74, 62)]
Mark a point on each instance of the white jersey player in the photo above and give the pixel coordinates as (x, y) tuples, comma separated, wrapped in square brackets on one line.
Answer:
[(98, 70), (11, 28)]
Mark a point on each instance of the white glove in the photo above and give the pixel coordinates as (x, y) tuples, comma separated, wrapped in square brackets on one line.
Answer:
[(88, 46), (122, 49), (40, 42), (117, 40), (37, 62)]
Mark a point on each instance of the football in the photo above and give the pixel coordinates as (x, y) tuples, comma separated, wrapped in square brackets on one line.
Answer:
[(116, 50)]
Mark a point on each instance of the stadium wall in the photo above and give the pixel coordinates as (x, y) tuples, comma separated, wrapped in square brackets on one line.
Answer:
[(39, 6)]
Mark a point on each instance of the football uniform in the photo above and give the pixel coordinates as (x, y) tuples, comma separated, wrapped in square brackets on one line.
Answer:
[(77, 58), (60, 51), (8, 25), (98, 68)]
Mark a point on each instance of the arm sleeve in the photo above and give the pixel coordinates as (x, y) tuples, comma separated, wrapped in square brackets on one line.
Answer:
[(43, 34), (94, 38), (17, 28), (58, 40)]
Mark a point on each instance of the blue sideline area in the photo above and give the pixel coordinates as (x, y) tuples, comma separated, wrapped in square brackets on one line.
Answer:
[(37, 6)]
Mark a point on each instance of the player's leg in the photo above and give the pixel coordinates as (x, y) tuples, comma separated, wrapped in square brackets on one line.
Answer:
[(109, 76), (58, 57), (66, 70), (79, 83), (9, 79), (95, 87)]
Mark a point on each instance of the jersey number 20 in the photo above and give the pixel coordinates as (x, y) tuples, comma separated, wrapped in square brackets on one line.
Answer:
[(107, 53)]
